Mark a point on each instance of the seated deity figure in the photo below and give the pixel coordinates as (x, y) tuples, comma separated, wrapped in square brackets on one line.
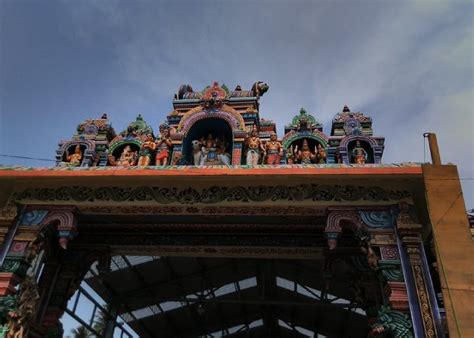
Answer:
[(273, 150), (146, 151), (75, 158), (209, 151), (321, 154), (163, 145), (127, 158), (359, 154), (222, 154), (304, 156), (254, 147)]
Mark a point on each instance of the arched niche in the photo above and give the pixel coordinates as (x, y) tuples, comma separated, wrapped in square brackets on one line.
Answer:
[(117, 148), (87, 148), (293, 139), (369, 144), (219, 129)]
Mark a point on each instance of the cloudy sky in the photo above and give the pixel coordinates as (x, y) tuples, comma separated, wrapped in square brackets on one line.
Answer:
[(409, 65)]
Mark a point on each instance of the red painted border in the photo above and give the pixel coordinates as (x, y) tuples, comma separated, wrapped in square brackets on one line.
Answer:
[(215, 172)]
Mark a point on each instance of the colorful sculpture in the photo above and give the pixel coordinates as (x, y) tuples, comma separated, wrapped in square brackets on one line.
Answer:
[(273, 150), (146, 151), (254, 146), (320, 154), (75, 158), (304, 156), (359, 155), (127, 158), (163, 145)]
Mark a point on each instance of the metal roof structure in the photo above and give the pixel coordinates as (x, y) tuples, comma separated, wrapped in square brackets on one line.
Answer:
[(215, 297)]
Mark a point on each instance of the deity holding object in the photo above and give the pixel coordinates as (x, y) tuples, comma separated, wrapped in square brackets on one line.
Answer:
[(359, 154), (146, 151), (254, 147), (273, 150), (163, 145)]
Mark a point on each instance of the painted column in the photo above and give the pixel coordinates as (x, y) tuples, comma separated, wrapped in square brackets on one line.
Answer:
[(423, 304)]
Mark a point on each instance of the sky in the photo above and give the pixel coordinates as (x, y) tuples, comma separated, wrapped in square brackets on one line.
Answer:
[(408, 65)]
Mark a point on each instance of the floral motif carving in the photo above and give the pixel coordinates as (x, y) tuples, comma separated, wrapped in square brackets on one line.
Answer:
[(213, 194)]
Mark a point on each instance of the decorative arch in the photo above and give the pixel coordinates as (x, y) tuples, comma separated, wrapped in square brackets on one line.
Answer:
[(88, 147), (370, 140), (65, 223), (316, 135), (377, 150), (334, 228), (230, 115)]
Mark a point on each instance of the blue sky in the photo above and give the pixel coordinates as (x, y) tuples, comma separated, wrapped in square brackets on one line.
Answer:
[(409, 65)]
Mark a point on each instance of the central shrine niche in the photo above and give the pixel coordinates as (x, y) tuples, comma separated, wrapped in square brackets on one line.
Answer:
[(208, 142)]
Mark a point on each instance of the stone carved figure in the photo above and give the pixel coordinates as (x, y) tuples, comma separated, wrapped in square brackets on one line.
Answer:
[(75, 158), (321, 154), (146, 151), (254, 147), (305, 156), (359, 155), (163, 145), (273, 150)]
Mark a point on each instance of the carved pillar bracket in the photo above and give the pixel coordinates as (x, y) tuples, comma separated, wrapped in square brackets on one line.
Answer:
[(424, 308), (65, 224), (335, 219), (395, 324)]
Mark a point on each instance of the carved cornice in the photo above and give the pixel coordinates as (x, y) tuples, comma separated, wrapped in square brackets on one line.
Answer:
[(214, 194)]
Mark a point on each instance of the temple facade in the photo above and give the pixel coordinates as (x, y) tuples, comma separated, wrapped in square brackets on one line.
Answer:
[(245, 234)]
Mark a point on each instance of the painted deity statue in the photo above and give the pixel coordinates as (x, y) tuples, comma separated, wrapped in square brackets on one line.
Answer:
[(222, 154), (321, 154), (146, 151), (75, 158), (127, 158), (273, 150), (163, 145), (359, 154), (209, 151), (254, 146), (304, 155)]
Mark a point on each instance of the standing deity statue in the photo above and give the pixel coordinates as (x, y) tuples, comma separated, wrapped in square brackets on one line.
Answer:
[(359, 154), (146, 151), (163, 145), (273, 150), (75, 158), (304, 156), (320, 154), (254, 146)]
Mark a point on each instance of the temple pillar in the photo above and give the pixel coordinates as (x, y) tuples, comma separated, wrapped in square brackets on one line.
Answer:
[(423, 305), (35, 232)]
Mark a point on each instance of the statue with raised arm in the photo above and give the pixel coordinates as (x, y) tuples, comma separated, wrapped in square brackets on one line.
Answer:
[(320, 154), (304, 156), (146, 151), (163, 145)]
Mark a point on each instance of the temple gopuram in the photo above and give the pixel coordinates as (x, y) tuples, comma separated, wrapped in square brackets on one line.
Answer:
[(210, 225)]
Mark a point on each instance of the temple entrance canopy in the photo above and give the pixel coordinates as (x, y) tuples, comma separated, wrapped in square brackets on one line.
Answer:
[(216, 227)]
